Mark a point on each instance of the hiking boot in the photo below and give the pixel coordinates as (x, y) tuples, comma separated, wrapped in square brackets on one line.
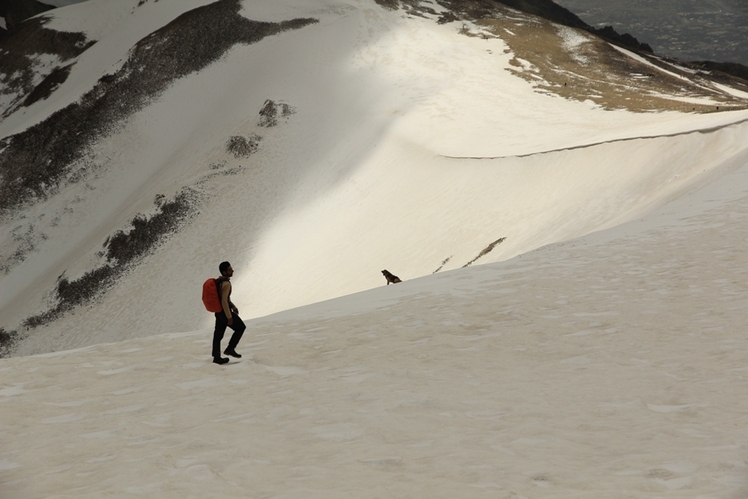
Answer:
[(232, 352), (220, 360)]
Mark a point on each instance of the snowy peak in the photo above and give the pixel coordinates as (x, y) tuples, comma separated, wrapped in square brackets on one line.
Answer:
[(583, 333)]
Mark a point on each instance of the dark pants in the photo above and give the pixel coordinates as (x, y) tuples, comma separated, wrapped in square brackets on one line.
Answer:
[(221, 324)]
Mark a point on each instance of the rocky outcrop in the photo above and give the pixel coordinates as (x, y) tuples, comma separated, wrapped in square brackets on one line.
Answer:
[(547, 9), (623, 40), (730, 68)]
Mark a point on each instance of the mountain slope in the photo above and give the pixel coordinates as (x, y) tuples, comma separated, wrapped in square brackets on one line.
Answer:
[(314, 144), (613, 365)]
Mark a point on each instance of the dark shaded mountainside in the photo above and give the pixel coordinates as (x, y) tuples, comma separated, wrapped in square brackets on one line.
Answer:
[(16, 11)]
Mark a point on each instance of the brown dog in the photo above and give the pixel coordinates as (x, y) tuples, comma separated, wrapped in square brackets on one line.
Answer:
[(390, 277)]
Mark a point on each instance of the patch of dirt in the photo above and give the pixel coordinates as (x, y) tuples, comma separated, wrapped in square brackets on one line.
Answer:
[(574, 64)]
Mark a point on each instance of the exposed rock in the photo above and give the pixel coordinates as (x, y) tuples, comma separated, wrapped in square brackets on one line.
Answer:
[(729, 68)]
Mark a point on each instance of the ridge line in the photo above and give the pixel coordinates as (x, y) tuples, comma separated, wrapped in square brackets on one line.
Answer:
[(612, 141)]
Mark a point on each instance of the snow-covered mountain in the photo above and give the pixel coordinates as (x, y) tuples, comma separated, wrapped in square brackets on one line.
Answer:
[(593, 347), (314, 144)]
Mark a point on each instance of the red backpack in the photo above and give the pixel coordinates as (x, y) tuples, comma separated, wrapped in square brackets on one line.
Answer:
[(211, 298)]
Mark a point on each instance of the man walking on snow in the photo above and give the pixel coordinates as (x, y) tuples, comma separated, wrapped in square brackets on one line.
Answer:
[(228, 317)]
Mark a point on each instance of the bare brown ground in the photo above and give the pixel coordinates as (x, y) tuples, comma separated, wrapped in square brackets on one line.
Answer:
[(594, 70)]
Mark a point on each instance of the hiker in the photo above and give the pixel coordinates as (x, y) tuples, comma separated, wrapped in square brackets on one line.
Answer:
[(228, 317)]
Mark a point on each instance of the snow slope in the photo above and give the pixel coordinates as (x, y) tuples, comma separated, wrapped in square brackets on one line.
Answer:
[(409, 147), (613, 365), (599, 351)]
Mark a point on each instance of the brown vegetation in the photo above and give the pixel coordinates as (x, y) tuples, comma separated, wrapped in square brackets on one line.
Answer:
[(485, 251), (593, 70)]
